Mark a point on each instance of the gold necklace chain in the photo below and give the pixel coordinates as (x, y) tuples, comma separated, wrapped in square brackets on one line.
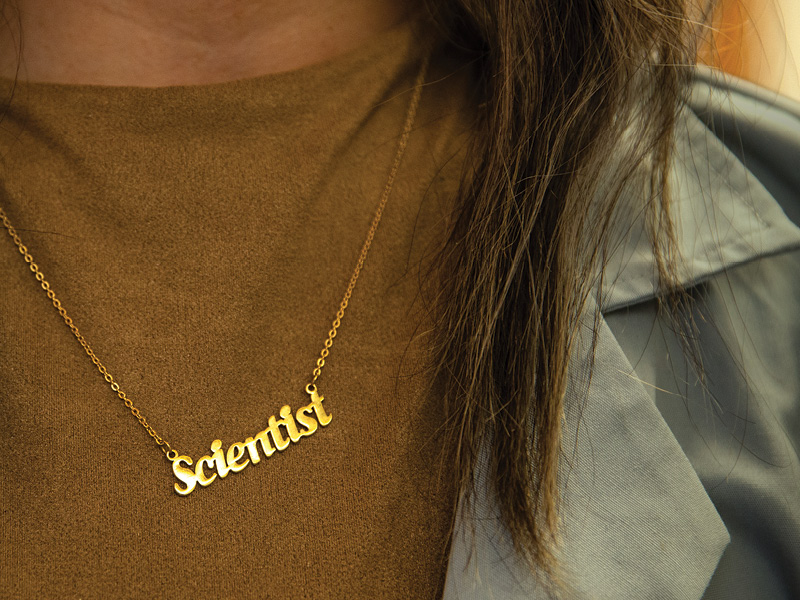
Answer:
[(234, 463)]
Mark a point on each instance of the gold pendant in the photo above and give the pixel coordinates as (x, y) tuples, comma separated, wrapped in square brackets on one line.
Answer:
[(233, 460)]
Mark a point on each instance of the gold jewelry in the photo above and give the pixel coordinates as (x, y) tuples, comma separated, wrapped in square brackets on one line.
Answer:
[(309, 416)]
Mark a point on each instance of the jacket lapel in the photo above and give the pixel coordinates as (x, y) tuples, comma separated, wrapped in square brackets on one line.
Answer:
[(636, 521)]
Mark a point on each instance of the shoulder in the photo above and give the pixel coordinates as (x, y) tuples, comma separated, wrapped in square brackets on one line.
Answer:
[(657, 499), (761, 128), (671, 465), (734, 188), (737, 201)]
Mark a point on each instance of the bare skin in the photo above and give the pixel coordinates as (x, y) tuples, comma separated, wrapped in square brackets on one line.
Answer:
[(183, 42)]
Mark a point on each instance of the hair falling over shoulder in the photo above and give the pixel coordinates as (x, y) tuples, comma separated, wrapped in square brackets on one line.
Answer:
[(560, 85)]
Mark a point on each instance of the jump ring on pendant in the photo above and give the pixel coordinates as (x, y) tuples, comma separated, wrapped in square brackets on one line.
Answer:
[(311, 388), (171, 454)]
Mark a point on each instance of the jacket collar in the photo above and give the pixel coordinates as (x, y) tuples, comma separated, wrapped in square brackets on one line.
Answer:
[(636, 520), (723, 217)]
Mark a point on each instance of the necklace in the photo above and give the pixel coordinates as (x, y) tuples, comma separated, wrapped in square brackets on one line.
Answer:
[(303, 422)]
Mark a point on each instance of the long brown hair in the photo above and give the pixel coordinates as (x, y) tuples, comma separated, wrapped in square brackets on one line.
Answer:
[(560, 83)]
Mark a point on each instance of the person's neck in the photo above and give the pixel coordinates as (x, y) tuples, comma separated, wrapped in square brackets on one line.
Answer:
[(183, 42)]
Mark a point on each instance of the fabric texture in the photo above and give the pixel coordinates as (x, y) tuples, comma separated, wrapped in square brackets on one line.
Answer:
[(740, 429), (202, 238)]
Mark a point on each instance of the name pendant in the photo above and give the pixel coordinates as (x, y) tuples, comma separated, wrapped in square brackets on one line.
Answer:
[(301, 424)]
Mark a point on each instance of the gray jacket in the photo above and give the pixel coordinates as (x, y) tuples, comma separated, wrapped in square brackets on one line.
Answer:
[(670, 488)]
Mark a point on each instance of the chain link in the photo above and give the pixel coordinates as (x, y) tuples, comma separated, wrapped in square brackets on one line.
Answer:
[(163, 444), (401, 147), (45, 285)]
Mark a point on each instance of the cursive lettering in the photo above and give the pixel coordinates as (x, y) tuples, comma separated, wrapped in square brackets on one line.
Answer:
[(232, 461)]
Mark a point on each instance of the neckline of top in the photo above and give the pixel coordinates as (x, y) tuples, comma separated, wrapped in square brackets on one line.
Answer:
[(404, 40)]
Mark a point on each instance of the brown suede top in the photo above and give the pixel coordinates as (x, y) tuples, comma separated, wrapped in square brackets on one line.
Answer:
[(202, 237)]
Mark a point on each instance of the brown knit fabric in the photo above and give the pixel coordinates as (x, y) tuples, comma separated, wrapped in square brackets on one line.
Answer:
[(202, 237)]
